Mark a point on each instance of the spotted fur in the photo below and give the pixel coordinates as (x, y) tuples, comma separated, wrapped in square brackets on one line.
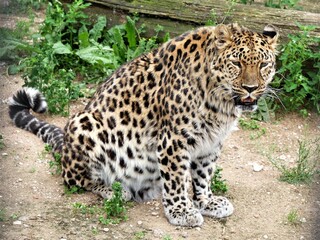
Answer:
[(162, 119)]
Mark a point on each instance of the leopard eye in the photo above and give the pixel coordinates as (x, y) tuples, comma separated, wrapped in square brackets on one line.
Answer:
[(264, 64), (236, 63)]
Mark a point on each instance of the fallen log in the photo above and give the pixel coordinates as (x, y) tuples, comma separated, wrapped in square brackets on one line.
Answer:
[(178, 16)]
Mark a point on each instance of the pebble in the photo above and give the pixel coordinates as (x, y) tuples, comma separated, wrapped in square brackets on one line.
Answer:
[(106, 229), (154, 213), (139, 222), (17, 222), (303, 220), (257, 167), (198, 228), (4, 154), (265, 237)]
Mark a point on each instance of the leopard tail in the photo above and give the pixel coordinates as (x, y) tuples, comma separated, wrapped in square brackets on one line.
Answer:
[(19, 111)]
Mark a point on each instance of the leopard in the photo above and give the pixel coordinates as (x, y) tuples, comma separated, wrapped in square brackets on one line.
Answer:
[(158, 123)]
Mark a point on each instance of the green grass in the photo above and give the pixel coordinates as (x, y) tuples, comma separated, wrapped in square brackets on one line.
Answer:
[(139, 235), (218, 185), (306, 164), (112, 211), (293, 217), (1, 142), (2, 215)]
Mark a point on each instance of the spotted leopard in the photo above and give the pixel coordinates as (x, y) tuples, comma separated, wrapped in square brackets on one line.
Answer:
[(161, 119)]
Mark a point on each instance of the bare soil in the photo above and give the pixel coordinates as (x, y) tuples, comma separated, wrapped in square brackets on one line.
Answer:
[(33, 203)]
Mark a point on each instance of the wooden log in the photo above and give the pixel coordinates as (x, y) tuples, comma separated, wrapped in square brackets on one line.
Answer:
[(178, 16)]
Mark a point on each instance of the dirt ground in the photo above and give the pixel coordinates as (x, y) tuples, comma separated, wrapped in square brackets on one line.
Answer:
[(33, 203)]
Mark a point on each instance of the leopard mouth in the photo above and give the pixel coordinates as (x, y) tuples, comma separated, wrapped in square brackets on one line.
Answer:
[(247, 104)]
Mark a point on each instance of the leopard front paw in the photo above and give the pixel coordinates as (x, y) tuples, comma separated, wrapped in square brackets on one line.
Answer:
[(190, 217), (217, 207)]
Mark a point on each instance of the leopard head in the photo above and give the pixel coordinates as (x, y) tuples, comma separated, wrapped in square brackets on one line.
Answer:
[(245, 63)]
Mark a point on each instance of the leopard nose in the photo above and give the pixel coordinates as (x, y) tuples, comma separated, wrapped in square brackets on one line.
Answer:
[(249, 88)]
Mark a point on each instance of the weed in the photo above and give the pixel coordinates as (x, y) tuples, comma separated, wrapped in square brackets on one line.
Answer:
[(299, 74), (85, 209), (218, 185), (114, 208), (2, 215), (281, 3), (252, 124), (139, 235), (1, 142), (14, 216), (73, 190), (305, 166), (248, 124), (113, 211), (69, 48), (55, 164), (167, 237), (292, 217)]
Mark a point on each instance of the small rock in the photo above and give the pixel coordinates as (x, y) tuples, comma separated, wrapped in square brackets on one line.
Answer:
[(198, 228), (139, 222), (303, 220), (282, 157), (4, 154), (154, 213), (17, 223), (106, 229), (184, 234), (257, 167), (158, 233), (23, 218), (265, 237)]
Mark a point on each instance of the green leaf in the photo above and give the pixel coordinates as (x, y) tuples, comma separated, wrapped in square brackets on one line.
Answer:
[(94, 55), (96, 31), (83, 36), (131, 33), (60, 48)]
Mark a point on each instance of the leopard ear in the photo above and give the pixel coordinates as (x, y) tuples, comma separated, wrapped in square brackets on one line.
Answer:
[(272, 35), (223, 36)]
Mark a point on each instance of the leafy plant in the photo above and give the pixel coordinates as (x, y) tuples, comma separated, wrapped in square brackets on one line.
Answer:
[(281, 3), (2, 215), (55, 164), (114, 208), (218, 185), (299, 74), (139, 235), (306, 164), (1, 142), (248, 124), (70, 52), (73, 190), (292, 217)]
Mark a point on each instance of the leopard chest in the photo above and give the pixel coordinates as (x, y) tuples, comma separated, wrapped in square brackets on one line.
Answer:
[(210, 137)]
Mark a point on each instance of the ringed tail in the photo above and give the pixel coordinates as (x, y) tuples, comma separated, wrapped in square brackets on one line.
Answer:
[(19, 112)]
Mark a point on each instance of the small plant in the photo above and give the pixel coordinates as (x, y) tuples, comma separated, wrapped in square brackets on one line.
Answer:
[(1, 142), (2, 215), (218, 185), (248, 124), (167, 237), (299, 73), (139, 235), (252, 124), (281, 3), (73, 190), (114, 208), (55, 164), (85, 209), (306, 165), (293, 217)]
